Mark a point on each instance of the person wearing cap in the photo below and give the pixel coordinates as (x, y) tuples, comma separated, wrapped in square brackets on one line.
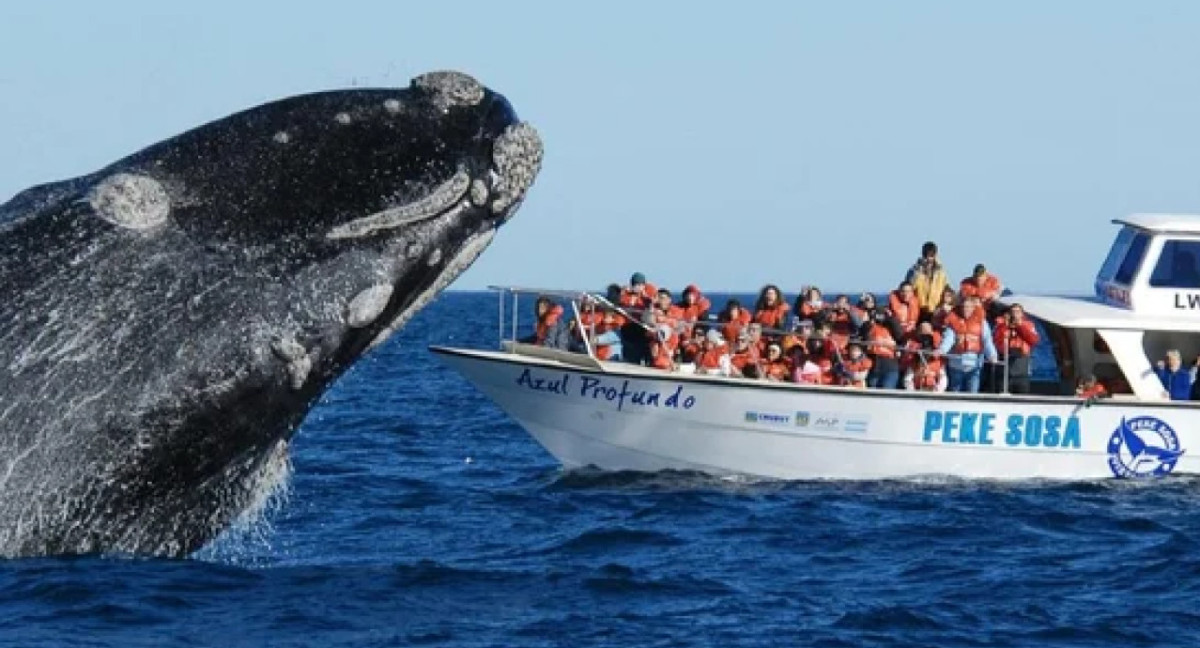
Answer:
[(928, 278), (714, 358), (639, 294), (981, 284)]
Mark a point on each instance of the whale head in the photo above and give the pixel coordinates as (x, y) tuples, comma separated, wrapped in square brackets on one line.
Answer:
[(169, 320)]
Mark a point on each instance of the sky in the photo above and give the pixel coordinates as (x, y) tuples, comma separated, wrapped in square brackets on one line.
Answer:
[(724, 144)]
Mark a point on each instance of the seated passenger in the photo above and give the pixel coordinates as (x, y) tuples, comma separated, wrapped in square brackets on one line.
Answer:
[(744, 358), (638, 294), (693, 305), (690, 347), (714, 358), (821, 353), (1176, 379), (804, 370), (981, 284), (855, 367), (1090, 388), (924, 369), (757, 341), (810, 304), (801, 331), (606, 337), (905, 307), (662, 348), (548, 314), (843, 320), (776, 367), (664, 311), (733, 317), (770, 310), (968, 339)]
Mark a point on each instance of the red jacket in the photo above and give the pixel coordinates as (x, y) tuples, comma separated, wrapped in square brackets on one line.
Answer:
[(1020, 338)]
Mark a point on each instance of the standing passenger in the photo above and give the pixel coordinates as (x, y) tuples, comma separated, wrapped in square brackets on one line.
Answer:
[(905, 306), (928, 278), (1016, 336), (1176, 380), (968, 338)]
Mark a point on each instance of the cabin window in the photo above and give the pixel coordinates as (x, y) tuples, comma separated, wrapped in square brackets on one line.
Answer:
[(1177, 265), (1133, 259), (1116, 254)]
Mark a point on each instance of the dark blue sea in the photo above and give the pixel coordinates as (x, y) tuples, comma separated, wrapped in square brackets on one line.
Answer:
[(418, 514)]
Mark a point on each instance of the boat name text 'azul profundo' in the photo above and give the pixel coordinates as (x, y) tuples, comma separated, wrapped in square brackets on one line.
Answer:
[(1032, 431), (606, 390)]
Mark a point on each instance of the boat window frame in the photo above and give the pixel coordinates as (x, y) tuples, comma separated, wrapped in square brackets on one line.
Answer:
[(1135, 255), (1166, 263)]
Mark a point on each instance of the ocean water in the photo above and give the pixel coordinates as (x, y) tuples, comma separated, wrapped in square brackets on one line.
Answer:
[(418, 514)]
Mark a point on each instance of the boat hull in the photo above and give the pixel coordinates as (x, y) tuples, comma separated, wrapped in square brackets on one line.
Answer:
[(619, 417)]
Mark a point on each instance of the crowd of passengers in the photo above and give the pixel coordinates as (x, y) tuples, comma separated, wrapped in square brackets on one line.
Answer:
[(924, 336)]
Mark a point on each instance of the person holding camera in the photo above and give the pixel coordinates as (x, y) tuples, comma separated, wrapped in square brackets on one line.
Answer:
[(1014, 338), (883, 333)]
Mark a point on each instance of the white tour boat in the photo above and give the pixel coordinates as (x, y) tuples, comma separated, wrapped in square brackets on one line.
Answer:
[(619, 416)]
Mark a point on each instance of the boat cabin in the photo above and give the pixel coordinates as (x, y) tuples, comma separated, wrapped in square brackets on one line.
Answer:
[(1146, 301)]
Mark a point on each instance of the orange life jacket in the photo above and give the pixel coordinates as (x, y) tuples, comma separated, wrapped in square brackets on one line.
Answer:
[(778, 370), (635, 299), (692, 313), (883, 344), (856, 371), (711, 358), (906, 312), (968, 333), (731, 329), (662, 354), (548, 319), (743, 358), (1020, 339), (986, 293), (1095, 391), (841, 328), (772, 317)]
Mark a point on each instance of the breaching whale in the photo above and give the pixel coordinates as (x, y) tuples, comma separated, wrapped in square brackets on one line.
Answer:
[(167, 322)]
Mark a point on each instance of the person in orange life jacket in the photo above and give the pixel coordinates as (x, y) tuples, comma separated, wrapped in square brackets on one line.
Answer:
[(666, 312), (690, 349), (864, 307), (810, 304), (968, 337), (905, 307), (744, 358), (546, 327), (1015, 335), (606, 337), (1176, 379), (733, 318), (802, 329), (776, 367), (822, 353), (924, 369), (1091, 388), (855, 367), (662, 347), (843, 320), (694, 305), (981, 284), (714, 358), (948, 304), (928, 278), (639, 294), (883, 334), (770, 310)]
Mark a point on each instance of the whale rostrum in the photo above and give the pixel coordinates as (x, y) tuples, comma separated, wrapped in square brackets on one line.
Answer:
[(168, 321)]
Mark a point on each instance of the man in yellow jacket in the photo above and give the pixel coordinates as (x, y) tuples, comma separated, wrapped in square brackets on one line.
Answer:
[(928, 278)]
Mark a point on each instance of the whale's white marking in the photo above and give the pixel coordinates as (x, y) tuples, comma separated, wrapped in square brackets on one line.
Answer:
[(367, 305), (471, 249), (479, 192), (438, 200), (449, 89), (282, 137), (131, 201), (436, 257), (342, 118), (516, 158), (392, 106)]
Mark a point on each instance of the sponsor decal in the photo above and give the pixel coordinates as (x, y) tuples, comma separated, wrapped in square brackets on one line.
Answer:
[(1143, 447), (766, 417), (618, 393), (832, 421), (1015, 430)]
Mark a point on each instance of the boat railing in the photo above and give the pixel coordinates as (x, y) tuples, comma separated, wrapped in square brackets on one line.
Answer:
[(513, 343)]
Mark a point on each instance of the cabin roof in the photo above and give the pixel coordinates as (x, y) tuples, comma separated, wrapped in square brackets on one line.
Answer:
[(1163, 223), (1086, 312)]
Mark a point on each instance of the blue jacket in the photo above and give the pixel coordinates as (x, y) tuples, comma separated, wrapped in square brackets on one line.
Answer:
[(1177, 383)]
